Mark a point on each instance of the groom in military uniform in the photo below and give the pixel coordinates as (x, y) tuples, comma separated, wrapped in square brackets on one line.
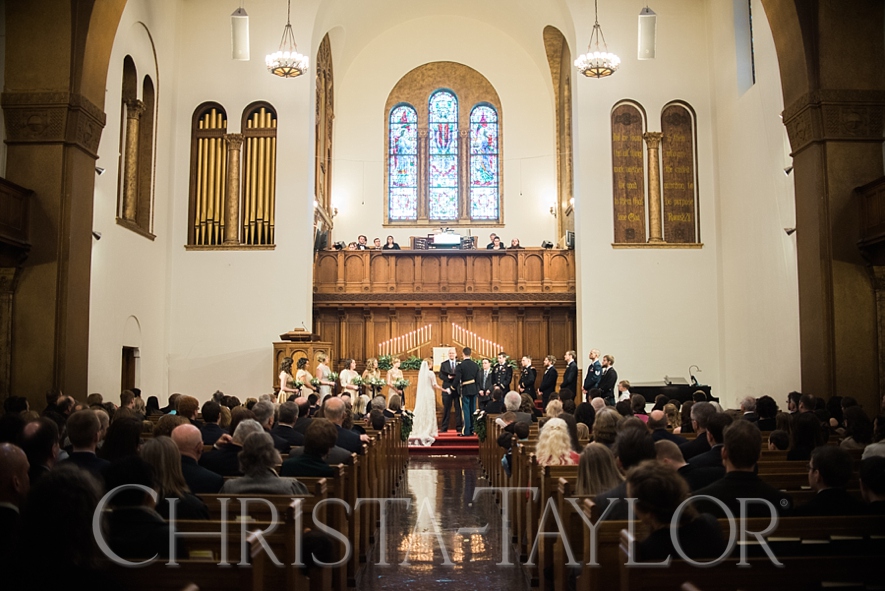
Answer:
[(466, 376)]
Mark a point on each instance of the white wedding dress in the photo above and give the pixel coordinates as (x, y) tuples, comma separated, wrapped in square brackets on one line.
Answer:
[(424, 429)]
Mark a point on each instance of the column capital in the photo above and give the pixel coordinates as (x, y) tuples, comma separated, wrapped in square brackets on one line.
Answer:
[(134, 108), (652, 139), (835, 115), (234, 140), (53, 117)]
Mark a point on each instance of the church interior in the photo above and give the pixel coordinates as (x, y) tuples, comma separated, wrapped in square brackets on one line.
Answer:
[(180, 213)]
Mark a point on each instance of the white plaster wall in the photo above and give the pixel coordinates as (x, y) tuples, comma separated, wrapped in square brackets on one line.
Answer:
[(128, 303), (758, 275), (522, 82), (656, 311), (227, 307)]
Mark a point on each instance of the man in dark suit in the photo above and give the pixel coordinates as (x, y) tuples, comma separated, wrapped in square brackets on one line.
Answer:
[(486, 386), (40, 444), (450, 398), (608, 380), (872, 484), (715, 436), (14, 486), (334, 409), (210, 428), (320, 438), (189, 441), (570, 377), (466, 374), (503, 373), (594, 372), (700, 416), (740, 452), (303, 421), (548, 380), (224, 458), (172, 407), (697, 478), (748, 408), (284, 429), (527, 378), (829, 471), (657, 423), (84, 430)]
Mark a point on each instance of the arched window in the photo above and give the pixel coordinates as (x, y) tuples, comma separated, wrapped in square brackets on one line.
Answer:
[(402, 163), (679, 174), (444, 164), (442, 117), (259, 173), (208, 175), (484, 163)]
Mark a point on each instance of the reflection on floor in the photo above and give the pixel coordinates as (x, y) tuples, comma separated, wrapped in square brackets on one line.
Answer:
[(440, 489)]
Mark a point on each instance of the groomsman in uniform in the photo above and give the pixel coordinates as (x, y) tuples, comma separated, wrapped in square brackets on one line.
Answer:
[(548, 380), (503, 373), (594, 372), (466, 374), (609, 379), (486, 384), (570, 377), (450, 397), (527, 378)]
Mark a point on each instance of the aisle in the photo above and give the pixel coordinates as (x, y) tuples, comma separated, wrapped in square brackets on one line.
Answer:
[(448, 482)]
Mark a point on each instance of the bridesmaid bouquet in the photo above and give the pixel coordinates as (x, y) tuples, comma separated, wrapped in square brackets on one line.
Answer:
[(333, 376), (315, 382), (298, 384), (357, 381), (376, 383), (401, 384)]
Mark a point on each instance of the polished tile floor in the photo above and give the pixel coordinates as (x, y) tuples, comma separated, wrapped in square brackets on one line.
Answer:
[(440, 490)]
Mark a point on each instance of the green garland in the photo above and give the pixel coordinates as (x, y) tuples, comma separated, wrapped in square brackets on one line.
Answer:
[(479, 424), (412, 363), (385, 362), (406, 419)]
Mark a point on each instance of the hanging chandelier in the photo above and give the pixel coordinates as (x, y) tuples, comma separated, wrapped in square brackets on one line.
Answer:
[(596, 63), (287, 62)]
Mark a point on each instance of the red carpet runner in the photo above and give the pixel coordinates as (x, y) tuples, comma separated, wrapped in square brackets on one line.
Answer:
[(448, 443)]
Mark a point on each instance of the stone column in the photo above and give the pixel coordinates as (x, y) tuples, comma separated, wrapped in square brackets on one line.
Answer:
[(8, 276), (232, 208), (653, 143), (134, 109)]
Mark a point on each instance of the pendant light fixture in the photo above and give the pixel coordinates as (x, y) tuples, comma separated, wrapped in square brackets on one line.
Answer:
[(597, 62), (239, 35), (287, 62)]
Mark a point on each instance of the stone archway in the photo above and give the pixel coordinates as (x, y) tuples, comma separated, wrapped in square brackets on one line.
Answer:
[(53, 101), (832, 61)]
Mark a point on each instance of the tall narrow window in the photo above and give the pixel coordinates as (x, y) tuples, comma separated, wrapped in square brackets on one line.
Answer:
[(679, 173), (484, 163), (259, 173), (443, 156), (402, 163), (144, 204), (208, 175)]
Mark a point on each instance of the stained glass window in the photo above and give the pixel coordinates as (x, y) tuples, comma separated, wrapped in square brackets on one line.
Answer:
[(403, 164), (484, 163), (443, 156)]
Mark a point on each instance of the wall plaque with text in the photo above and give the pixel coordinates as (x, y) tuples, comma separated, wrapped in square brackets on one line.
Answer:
[(628, 175), (678, 168)]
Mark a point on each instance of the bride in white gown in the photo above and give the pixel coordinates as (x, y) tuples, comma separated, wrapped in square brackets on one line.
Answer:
[(424, 429)]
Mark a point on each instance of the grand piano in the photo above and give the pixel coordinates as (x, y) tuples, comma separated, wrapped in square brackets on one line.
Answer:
[(677, 388)]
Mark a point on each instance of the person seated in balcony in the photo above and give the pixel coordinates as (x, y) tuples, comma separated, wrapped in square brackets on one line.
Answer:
[(362, 242), (514, 244), (491, 243), (496, 244), (391, 244), (376, 244)]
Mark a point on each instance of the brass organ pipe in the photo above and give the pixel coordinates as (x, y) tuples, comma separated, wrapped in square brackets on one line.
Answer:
[(261, 157), (273, 181), (199, 230), (253, 178), (265, 172), (210, 185), (247, 183), (222, 187)]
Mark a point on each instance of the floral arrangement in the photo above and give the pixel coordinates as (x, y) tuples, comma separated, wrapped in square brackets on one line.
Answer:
[(406, 419), (376, 383), (412, 362), (333, 376), (385, 362), (357, 381), (315, 382), (479, 424), (401, 384), (298, 384)]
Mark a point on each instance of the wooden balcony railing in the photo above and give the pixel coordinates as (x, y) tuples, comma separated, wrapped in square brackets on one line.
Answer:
[(524, 275)]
